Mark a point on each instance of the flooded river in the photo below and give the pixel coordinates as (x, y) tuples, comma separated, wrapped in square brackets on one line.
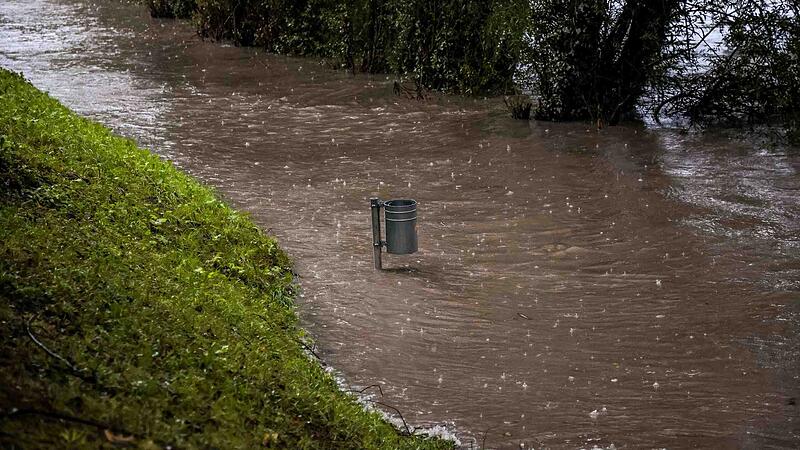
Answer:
[(573, 288)]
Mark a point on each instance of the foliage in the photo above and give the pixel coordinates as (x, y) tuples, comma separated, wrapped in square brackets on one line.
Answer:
[(599, 60), (459, 46), (591, 59), (280, 26), (138, 309), (733, 63), (468, 47), (519, 105), (182, 9)]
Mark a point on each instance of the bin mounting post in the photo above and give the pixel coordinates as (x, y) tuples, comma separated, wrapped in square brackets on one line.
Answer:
[(375, 206)]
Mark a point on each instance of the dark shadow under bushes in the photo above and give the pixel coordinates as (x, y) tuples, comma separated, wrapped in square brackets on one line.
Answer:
[(181, 9)]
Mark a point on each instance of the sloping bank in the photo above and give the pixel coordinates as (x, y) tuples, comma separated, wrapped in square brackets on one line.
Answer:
[(137, 306)]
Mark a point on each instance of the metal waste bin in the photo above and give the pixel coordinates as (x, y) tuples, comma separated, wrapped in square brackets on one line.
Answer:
[(401, 226)]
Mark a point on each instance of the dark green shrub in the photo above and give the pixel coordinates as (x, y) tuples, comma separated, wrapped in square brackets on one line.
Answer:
[(462, 46), (171, 8), (753, 77), (468, 47), (519, 106), (591, 59)]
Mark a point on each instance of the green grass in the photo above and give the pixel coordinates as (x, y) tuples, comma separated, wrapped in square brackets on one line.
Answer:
[(137, 305)]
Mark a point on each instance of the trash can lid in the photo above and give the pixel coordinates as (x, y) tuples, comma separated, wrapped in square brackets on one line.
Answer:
[(401, 204)]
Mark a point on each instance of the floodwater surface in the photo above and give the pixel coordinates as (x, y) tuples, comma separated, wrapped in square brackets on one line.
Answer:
[(574, 288)]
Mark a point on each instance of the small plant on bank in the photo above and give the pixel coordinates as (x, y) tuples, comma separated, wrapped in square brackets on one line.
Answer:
[(519, 105)]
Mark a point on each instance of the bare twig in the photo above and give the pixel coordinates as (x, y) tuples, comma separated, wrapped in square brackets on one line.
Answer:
[(657, 110), (262, 318), (311, 350), (486, 433), (83, 374), (236, 332), (67, 418), (302, 344), (405, 424), (361, 391), (48, 351)]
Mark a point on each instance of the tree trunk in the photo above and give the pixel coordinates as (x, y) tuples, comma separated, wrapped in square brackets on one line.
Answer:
[(608, 63)]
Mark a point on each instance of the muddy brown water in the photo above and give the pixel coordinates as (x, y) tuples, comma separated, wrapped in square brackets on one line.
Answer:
[(630, 287)]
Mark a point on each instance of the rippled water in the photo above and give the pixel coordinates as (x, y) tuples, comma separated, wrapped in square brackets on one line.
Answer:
[(573, 288)]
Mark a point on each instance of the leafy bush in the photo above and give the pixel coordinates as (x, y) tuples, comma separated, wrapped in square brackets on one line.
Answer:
[(519, 105), (598, 60), (460, 46), (734, 66), (591, 59)]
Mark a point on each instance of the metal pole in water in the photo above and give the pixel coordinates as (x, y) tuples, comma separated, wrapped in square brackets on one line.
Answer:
[(375, 205)]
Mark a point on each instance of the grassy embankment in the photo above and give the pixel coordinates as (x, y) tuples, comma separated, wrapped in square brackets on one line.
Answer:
[(136, 306)]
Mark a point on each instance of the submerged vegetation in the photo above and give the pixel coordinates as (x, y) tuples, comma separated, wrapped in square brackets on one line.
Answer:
[(732, 62), (140, 310)]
